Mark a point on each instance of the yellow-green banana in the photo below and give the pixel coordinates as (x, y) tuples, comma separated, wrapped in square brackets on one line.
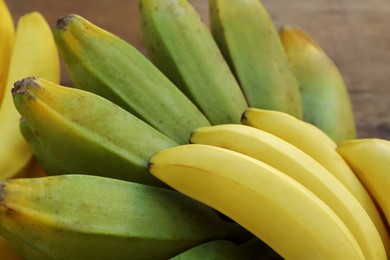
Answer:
[(182, 47), (87, 133), (369, 158), (283, 213), (92, 217), (293, 162), (325, 98), (7, 37), (100, 62), (309, 141), (37, 57), (215, 249), (249, 41)]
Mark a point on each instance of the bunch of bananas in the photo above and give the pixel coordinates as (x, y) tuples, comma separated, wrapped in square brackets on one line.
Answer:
[(234, 141)]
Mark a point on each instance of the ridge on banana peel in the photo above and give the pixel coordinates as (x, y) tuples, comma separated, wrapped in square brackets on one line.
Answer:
[(298, 165), (180, 44), (38, 57), (87, 133), (71, 217), (249, 41), (215, 249), (325, 98), (369, 158), (7, 32), (101, 62), (303, 137), (276, 208)]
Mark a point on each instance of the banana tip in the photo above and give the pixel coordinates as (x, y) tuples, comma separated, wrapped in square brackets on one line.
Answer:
[(63, 21), (21, 86)]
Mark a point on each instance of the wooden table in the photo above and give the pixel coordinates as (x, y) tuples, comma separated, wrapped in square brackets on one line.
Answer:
[(354, 33)]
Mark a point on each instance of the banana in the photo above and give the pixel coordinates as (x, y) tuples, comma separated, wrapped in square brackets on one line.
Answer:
[(88, 133), (273, 206), (298, 165), (92, 217), (325, 98), (7, 252), (100, 62), (309, 141), (369, 158), (216, 249), (37, 57), (7, 37), (182, 47), (321, 134), (249, 41)]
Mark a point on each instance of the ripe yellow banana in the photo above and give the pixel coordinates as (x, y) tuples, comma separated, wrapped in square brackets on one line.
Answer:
[(37, 57), (273, 206), (215, 249), (369, 158), (92, 217), (7, 35), (325, 98), (102, 63), (298, 165), (249, 41), (87, 133), (182, 47), (289, 129)]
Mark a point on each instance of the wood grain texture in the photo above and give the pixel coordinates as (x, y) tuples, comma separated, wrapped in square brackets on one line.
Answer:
[(354, 33)]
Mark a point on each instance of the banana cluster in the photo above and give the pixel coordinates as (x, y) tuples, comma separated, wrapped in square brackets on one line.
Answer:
[(223, 142)]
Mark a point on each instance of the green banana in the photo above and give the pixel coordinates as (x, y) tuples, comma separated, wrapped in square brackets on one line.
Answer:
[(216, 249), (182, 47), (325, 99), (71, 217), (257, 249), (100, 62), (249, 41), (87, 133)]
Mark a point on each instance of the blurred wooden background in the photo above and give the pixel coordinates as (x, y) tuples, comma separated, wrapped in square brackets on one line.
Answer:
[(354, 33)]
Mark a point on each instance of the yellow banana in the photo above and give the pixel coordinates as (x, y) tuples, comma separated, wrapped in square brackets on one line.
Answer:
[(273, 206), (36, 57), (298, 165), (289, 129), (91, 217), (369, 158), (249, 41), (182, 47), (7, 35), (325, 98)]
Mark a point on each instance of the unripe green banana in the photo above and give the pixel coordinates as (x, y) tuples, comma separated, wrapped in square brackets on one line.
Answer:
[(249, 41), (92, 217), (325, 99), (181, 46), (87, 133), (100, 62), (214, 250), (257, 249)]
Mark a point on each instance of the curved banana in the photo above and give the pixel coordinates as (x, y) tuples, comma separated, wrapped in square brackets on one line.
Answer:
[(249, 41), (91, 217), (88, 133), (325, 98), (369, 158), (273, 206), (298, 165), (289, 129), (102, 63), (215, 249), (182, 47), (36, 57), (7, 37)]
